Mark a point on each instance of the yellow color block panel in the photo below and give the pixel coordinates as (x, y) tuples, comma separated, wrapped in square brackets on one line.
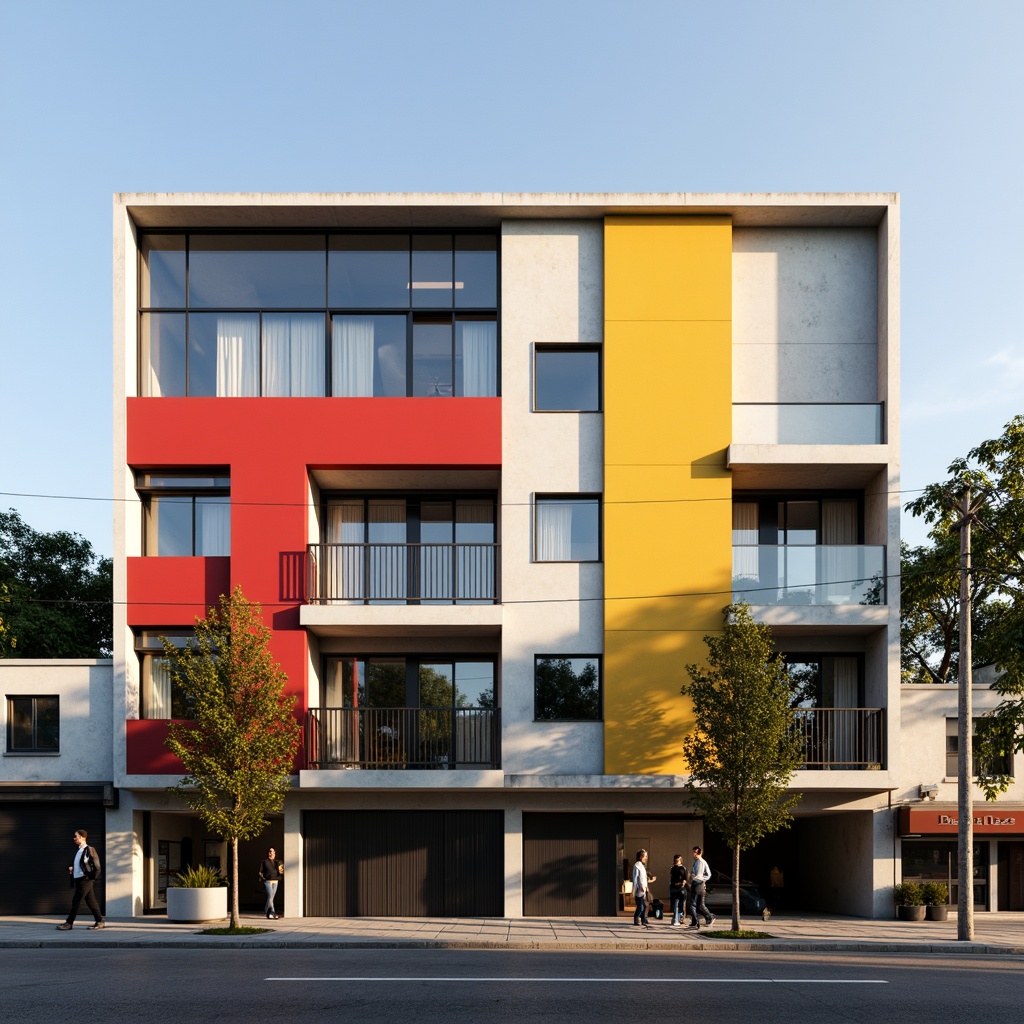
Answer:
[(668, 393), (668, 507), (648, 717), (668, 268)]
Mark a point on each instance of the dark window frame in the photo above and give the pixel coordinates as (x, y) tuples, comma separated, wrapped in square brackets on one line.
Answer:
[(952, 752), (148, 645), (790, 657), (34, 748), (540, 499), (148, 490), (767, 510), (412, 312), (599, 711), (575, 347)]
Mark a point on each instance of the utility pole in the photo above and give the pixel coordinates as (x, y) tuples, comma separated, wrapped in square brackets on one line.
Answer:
[(965, 765)]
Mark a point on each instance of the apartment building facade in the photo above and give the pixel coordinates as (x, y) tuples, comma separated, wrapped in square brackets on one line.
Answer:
[(492, 465)]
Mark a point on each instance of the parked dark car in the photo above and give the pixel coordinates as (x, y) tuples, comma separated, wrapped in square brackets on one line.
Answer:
[(718, 897)]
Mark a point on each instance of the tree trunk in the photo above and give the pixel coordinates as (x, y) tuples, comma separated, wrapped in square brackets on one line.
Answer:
[(234, 882), (736, 888)]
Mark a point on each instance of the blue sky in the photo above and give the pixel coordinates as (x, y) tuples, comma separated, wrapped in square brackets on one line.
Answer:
[(100, 97)]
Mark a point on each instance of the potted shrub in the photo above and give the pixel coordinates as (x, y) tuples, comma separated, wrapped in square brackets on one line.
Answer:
[(909, 901), (936, 900), (197, 894)]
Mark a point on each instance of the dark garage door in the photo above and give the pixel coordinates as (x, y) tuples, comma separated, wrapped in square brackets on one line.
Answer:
[(404, 863), (569, 865), (36, 847)]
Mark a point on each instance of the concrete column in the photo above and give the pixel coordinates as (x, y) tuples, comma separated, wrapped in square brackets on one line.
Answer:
[(292, 857), (513, 862)]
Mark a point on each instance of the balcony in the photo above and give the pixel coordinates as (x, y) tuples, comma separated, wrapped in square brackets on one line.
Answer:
[(403, 738), (841, 738), (420, 574), (810, 575), (807, 424)]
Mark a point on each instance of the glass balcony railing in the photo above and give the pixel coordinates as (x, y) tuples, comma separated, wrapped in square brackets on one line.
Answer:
[(794, 574), (830, 423)]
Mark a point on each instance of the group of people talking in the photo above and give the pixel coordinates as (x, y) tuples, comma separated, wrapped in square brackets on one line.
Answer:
[(686, 890)]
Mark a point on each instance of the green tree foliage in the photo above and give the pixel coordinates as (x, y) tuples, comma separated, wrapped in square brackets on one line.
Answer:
[(563, 694), (239, 748), (994, 472), (744, 749), (55, 594)]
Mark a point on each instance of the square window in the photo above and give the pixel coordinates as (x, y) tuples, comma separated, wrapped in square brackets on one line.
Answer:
[(33, 725), (567, 688), (567, 378), (567, 528), (186, 514)]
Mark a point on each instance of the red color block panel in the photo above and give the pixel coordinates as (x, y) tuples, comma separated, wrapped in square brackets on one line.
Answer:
[(147, 753), (173, 591)]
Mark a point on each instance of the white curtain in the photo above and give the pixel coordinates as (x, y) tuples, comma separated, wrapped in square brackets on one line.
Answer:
[(238, 355), (554, 531), (840, 557), (479, 358), (744, 539), (293, 355), (213, 525), (844, 695), (352, 353), (157, 702), (344, 564)]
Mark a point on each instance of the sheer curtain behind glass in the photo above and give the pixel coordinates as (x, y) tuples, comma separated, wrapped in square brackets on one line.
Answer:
[(744, 539), (554, 531), (238, 356), (478, 341), (293, 355), (345, 557), (352, 352), (840, 555), (157, 699)]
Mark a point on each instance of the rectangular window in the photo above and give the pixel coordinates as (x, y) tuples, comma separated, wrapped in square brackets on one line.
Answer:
[(186, 514), (350, 316), (162, 697), (33, 725), (567, 378), (567, 688), (567, 528), (1001, 766)]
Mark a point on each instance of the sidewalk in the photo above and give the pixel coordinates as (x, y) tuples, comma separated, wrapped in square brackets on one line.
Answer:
[(1001, 934)]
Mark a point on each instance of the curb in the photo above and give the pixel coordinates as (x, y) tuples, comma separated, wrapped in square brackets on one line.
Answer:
[(731, 946)]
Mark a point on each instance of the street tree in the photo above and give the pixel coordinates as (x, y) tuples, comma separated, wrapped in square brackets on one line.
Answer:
[(994, 473), (744, 748), (239, 746), (55, 594)]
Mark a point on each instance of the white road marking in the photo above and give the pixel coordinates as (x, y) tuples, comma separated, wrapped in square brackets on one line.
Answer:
[(646, 981)]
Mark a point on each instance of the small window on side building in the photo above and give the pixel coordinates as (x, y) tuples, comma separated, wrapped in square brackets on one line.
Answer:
[(33, 725)]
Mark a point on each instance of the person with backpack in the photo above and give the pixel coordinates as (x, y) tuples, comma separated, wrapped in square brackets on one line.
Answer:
[(700, 874)]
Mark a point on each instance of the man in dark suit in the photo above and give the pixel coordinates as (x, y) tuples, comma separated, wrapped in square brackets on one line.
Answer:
[(83, 872)]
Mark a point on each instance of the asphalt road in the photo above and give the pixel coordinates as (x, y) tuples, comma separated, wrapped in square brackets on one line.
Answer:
[(182, 986)]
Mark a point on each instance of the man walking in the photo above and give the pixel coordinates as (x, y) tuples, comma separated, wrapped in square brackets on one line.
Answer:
[(84, 871), (699, 875)]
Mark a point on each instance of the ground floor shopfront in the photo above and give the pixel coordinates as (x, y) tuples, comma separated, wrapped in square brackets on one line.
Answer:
[(929, 852)]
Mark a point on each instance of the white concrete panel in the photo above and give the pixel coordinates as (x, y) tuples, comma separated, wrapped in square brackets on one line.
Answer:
[(813, 290), (552, 291)]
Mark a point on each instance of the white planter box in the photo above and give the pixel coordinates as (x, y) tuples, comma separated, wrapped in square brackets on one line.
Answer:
[(197, 904)]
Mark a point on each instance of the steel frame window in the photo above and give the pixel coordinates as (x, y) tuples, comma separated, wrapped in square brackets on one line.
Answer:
[(416, 312), (564, 691), (33, 724), (542, 402), (197, 506)]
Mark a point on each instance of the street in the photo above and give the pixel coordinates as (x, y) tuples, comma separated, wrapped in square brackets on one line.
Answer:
[(203, 985)]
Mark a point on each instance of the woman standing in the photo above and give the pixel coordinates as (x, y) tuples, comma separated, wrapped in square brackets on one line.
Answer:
[(271, 871)]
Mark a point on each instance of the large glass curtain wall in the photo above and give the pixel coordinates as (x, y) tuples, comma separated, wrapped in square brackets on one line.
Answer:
[(352, 316)]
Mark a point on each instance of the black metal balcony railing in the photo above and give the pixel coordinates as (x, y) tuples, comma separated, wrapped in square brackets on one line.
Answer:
[(837, 738), (433, 738), (401, 573)]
